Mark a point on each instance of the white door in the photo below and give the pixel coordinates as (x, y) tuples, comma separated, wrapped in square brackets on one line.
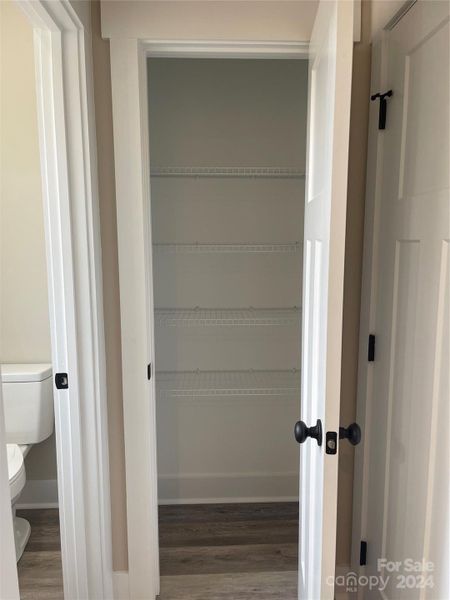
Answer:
[(408, 453), (330, 71)]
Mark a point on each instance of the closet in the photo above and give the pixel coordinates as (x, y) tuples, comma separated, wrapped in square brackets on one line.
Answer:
[(227, 157)]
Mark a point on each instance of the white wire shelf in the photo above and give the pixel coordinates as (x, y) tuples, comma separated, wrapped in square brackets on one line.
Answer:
[(194, 384), (194, 317), (201, 248), (249, 172)]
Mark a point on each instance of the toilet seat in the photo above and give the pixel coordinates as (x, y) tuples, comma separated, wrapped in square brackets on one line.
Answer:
[(16, 470)]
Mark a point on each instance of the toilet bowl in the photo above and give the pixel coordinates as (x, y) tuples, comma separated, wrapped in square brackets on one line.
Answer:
[(28, 408), (16, 473)]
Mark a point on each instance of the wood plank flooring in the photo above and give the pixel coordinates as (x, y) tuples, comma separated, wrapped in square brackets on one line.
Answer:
[(229, 551), (207, 552), (39, 569)]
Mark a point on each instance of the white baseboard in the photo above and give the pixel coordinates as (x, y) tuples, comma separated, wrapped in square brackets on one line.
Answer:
[(121, 588), (227, 487), (237, 500), (39, 493)]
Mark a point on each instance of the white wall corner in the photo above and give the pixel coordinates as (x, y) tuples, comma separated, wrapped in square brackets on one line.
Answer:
[(121, 588)]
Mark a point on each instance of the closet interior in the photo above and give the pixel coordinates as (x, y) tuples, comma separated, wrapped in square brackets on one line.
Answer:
[(227, 158)]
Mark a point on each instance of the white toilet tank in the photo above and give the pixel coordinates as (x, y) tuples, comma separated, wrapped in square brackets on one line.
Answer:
[(28, 402)]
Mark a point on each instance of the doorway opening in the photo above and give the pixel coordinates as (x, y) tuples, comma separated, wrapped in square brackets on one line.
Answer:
[(26, 352), (228, 154), (74, 376)]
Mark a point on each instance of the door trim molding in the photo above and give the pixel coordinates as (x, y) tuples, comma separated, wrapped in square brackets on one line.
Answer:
[(73, 248), (132, 171), (214, 49)]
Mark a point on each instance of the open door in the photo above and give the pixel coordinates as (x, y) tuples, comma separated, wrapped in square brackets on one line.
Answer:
[(330, 72), (405, 399)]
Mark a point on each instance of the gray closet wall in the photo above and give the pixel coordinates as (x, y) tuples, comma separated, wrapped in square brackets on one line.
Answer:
[(227, 148)]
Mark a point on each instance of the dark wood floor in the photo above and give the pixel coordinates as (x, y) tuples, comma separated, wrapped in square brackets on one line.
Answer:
[(40, 571), (207, 552), (229, 552)]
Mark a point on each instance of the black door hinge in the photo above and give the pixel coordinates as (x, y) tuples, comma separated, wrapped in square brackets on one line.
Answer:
[(383, 107), (149, 371), (371, 348), (363, 553), (61, 381)]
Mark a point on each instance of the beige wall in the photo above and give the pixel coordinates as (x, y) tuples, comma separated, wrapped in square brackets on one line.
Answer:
[(375, 15), (25, 333), (352, 276), (111, 306), (24, 322), (273, 20)]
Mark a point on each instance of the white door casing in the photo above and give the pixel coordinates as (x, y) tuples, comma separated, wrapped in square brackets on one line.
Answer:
[(129, 97), (132, 40), (404, 394), (131, 141), (330, 76)]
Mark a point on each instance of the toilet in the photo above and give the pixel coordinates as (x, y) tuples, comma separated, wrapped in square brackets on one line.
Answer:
[(29, 419)]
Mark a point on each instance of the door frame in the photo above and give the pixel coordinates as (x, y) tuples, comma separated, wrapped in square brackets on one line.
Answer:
[(67, 148), (129, 54), (132, 169), (369, 287)]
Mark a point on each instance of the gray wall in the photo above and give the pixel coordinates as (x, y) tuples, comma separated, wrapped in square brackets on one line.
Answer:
[(227, 113)]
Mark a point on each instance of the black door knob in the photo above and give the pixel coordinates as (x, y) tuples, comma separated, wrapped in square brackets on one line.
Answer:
[(352, 433), (301, 432)]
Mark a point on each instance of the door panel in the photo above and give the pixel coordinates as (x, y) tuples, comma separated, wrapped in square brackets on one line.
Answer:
[(408, 460), (437, 528), (330, 71)]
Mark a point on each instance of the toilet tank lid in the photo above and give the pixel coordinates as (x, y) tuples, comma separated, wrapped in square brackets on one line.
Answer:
[(21, 373)]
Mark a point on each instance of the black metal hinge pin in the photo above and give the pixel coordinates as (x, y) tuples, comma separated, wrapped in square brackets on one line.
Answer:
[(371, 348), (383, 107), (363, 553)]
